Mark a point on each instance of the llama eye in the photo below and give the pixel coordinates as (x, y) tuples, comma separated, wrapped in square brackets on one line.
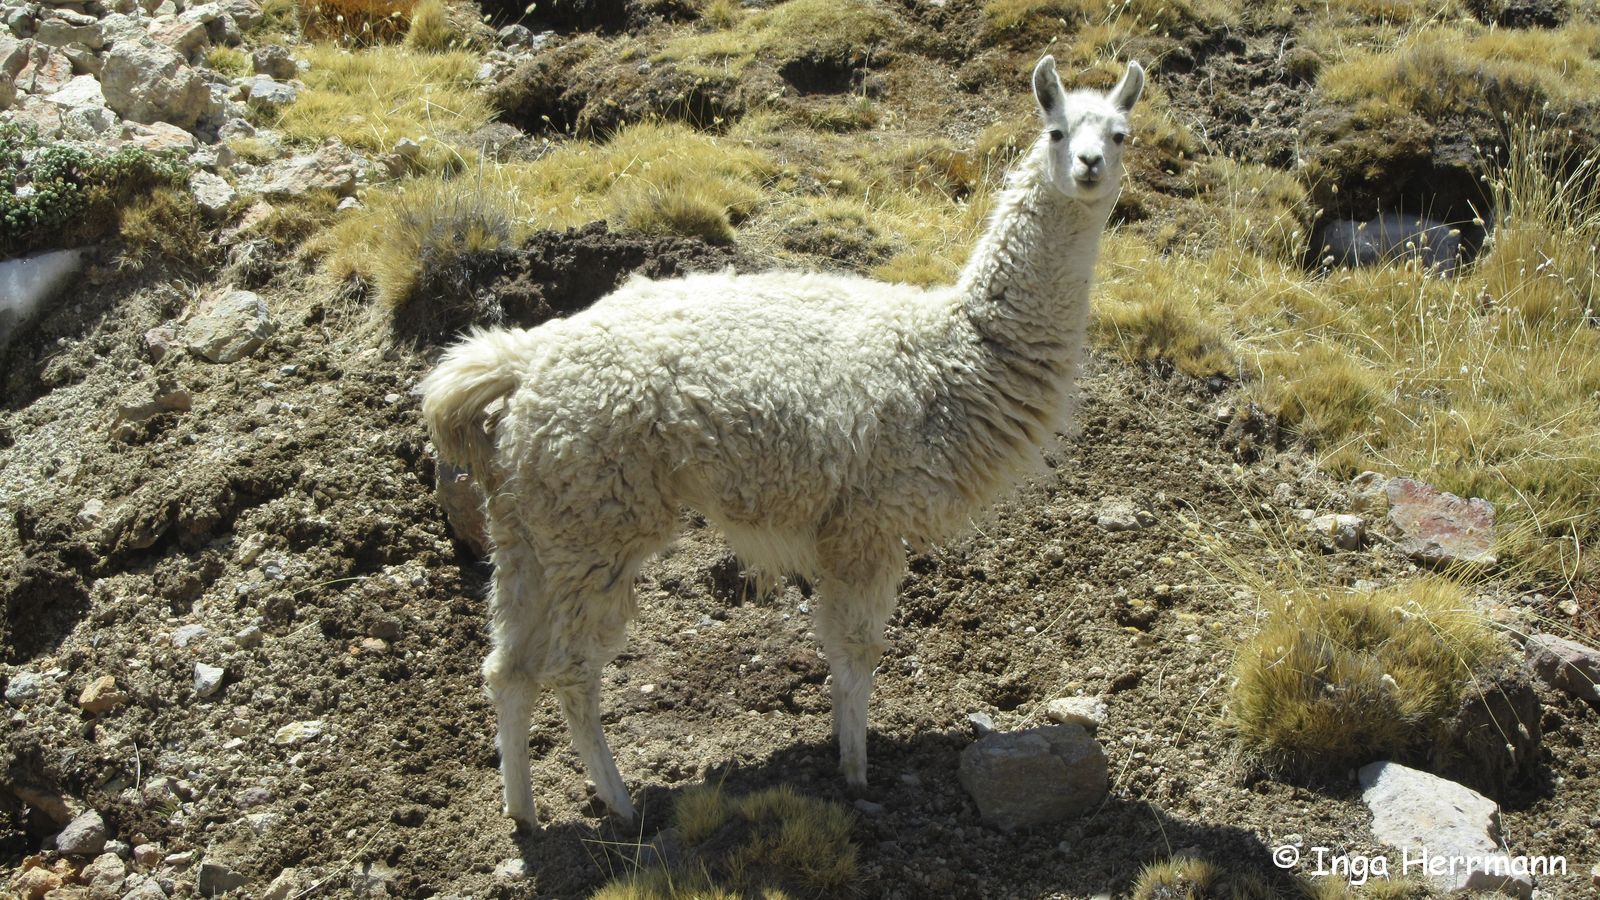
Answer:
[(1119, 137), (1056, 135)]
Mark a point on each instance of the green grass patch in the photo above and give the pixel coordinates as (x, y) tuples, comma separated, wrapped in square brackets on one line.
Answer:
[(821, 29), (230, 61)]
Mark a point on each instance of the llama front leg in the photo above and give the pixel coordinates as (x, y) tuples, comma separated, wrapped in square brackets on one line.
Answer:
[(581, 704), (853, 607)]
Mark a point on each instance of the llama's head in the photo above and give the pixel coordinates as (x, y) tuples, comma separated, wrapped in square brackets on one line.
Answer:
[(1086, 131)]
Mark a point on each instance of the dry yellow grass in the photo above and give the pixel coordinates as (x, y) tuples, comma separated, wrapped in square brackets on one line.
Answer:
[(373, 98), (823, 28), (429, 27), (1339, 678), (1141, 15)]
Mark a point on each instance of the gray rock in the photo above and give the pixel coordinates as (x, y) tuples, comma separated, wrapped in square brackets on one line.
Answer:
[(513, 869), (267, 94), (211, 192), (1024, 778), (1566, 664), (1121, 515), (216, 878), (187, 635), (1416, 813), (233, 328), (330, 168), (84, 836), (1343, 531), (515, 36), (245, 13), (274, 61), (105, 875), (84, 90), (47, 70), (982, 722), (288, 884), (146, 82), (208, 679), (58, 33), (183, 36), (1439, 528), (1086, 712), (146, 889), (25, 686)]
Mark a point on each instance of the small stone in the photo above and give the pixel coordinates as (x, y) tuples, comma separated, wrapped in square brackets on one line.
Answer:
[(84, 836), (159, 341), (1025, 778), (249, 637), (515, 36), (982, 722), (287, 885), (187, 635), (269, 94), (868, 808), (376, 646), (1566, 664), (1343, 531), (25, 686), (274, 61), (146, 889), (101, 696), (35, 883), (208, 679), (233, 327), (252, 797), (147, 855), (211, 192), (106, 874), (180, 860), (1088, 712), (511, 870), (1121, 515), (216, 878), (298, 732)]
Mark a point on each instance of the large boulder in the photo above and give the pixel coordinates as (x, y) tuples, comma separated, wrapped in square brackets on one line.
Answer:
[(146, 82)]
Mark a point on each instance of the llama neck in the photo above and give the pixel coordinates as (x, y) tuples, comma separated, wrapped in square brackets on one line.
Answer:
[(1026, 287)]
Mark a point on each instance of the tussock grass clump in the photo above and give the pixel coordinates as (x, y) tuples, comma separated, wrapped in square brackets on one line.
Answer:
[(1164, 325), (1339, 678), (372, 99), (772, 844), (1031, 16), (428, 236), (229, 61), (429, 28), (360, 22), (818, 29), (1466, 68), (163, 224)]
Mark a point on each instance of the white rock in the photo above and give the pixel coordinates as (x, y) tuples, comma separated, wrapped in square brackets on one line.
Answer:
[(1344, 531), (211, 192), (208, 679), (298, 732), (84, 836), (233, 327), (146, 82), (1418, 813), (1122, 515), (511, 870), (1089, 712), (188, 634), (84, 90), (25, 686), (268, 94)]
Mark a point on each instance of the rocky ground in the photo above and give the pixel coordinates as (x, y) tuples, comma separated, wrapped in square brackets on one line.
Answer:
[(239, 643)]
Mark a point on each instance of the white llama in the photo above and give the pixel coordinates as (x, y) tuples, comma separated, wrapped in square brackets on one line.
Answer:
[(822, 422)]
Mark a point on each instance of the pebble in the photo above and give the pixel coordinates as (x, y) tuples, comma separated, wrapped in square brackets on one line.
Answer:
[(981, 721), (187, 635), (147, 855), (208, 679), (868, 808), (25, 686), (1089, 712), (101, 696), (249, 637), (84, 836), (511, 870), (298, 732), (216, 878)]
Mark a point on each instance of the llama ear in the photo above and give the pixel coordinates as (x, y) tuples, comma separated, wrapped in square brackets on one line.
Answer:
[(1127, 91), (1047, 86)]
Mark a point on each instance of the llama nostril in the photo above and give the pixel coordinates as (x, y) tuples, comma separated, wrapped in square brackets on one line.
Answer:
[(1090, 160)]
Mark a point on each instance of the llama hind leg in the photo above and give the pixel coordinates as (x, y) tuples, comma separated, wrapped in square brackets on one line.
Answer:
[(853, 607), (581, 704), (514, 694)]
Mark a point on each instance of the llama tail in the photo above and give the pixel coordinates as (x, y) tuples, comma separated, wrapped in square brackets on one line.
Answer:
[(456, 396)]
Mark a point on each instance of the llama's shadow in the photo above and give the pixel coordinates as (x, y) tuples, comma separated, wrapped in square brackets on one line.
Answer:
[(926, 840)]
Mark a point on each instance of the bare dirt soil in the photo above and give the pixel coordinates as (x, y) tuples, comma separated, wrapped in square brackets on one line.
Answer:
[(294, 496)]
